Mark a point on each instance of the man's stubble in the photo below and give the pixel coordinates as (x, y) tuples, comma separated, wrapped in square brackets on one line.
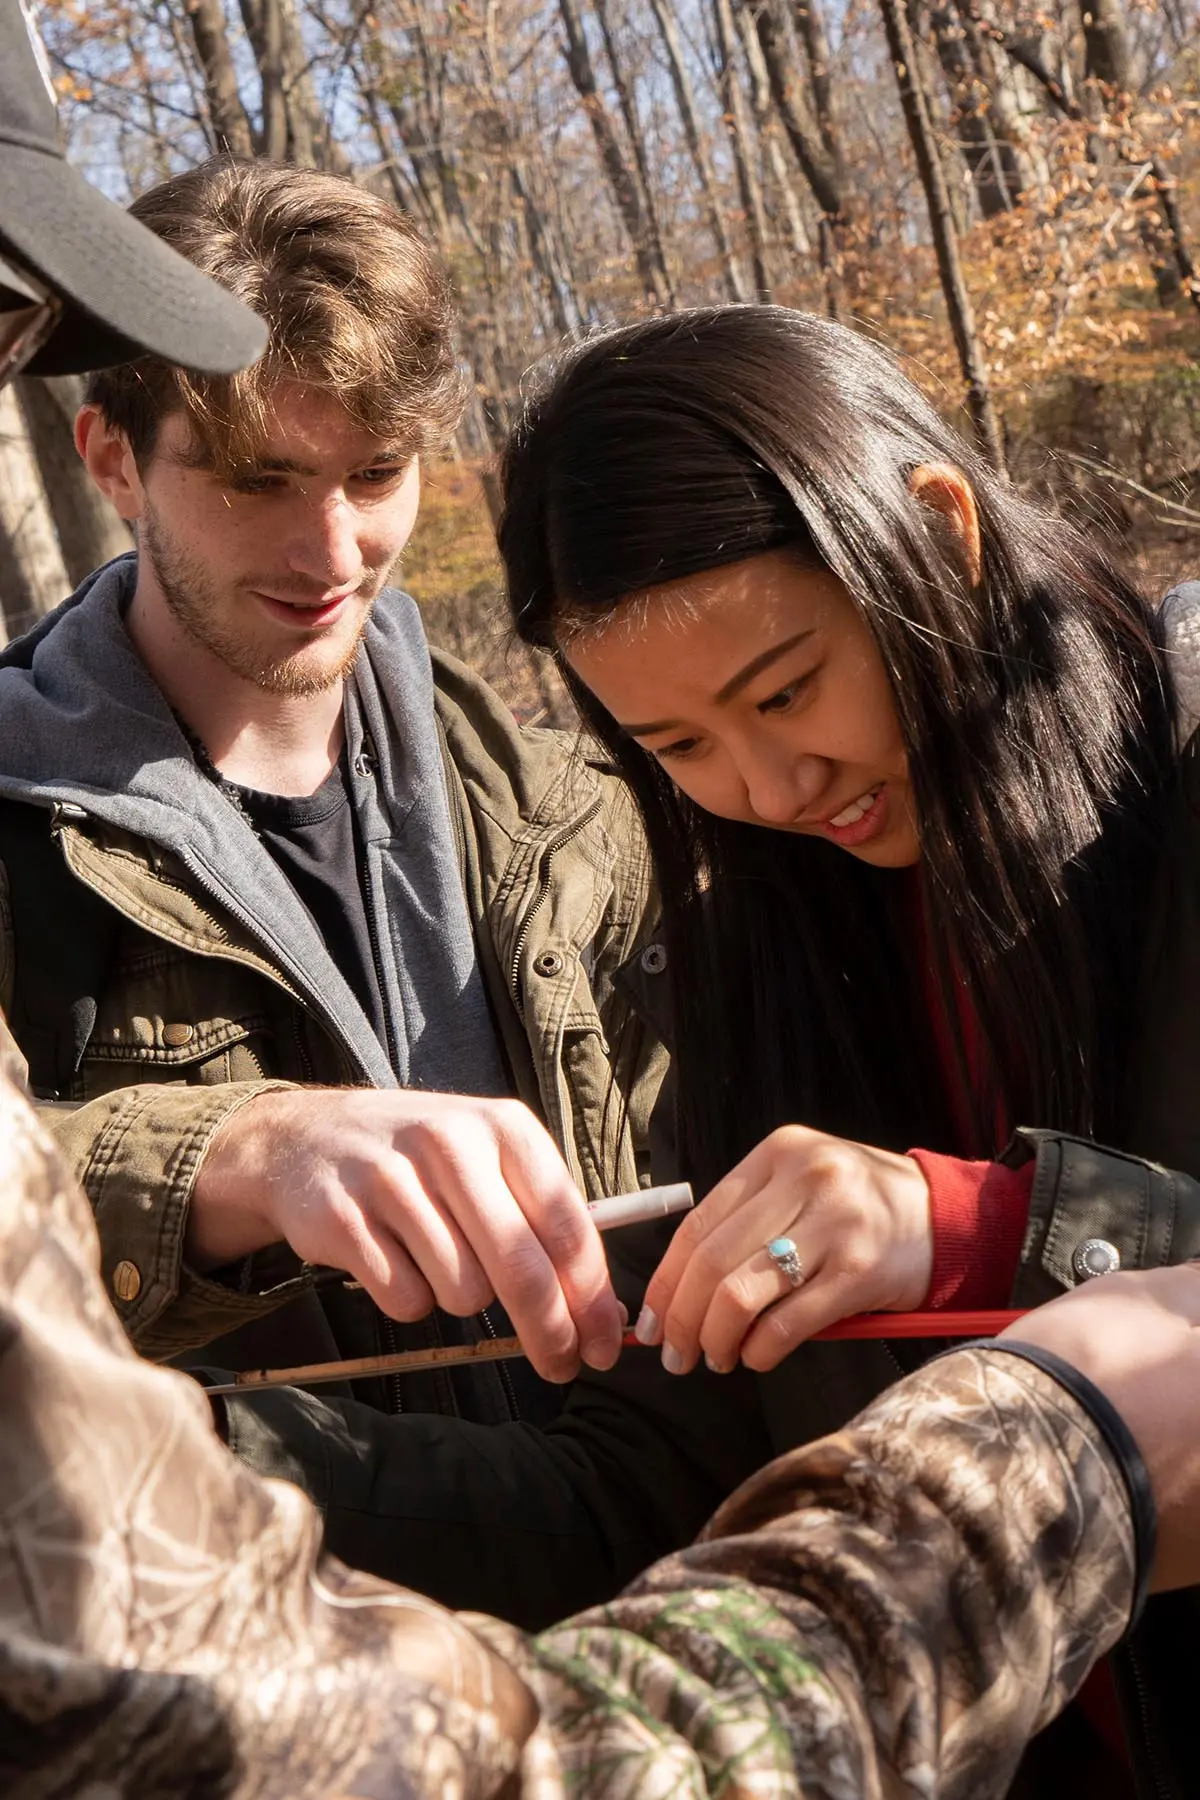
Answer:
[(192, 598)]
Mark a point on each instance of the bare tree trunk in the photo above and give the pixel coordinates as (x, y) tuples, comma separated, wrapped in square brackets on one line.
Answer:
[(402, 190), (559, 292), (992, 165), (90, 532), (810, 25), (1107, 57), (945, 239), (542, 250), (791, 103), (792, 106), (633, 130), (621, 181), (799, 243), (264, 27), (310, 141), (737, 123), (732, 274), (33, 578), (230, 120), (1164, 183)]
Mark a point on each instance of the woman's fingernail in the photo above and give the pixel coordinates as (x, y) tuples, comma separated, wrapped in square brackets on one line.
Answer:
[(716, 1367), (646, 1329), (673, 1360)]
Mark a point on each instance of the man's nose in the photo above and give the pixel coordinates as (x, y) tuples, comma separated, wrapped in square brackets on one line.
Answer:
[(324, 542), (779, 787)]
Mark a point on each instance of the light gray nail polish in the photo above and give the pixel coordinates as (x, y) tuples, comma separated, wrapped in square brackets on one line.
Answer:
[(673, 1360), (646, 1329)]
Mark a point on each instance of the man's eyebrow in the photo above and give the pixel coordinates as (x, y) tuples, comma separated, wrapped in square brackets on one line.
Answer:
[(734, 685), (287, 465), (278, 465)]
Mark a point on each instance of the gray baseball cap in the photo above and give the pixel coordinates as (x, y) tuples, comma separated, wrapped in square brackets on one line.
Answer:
[(124, 293)]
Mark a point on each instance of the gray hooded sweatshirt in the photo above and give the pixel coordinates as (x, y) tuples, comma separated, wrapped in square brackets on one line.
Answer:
[(82, 723)]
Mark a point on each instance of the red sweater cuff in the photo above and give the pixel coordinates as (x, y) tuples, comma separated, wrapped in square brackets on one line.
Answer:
[(977, 1212)]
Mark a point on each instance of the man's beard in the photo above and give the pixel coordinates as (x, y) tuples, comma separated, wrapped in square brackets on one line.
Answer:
[(192, 598)]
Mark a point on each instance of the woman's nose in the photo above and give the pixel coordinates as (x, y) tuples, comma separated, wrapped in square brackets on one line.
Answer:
[(780, 788)]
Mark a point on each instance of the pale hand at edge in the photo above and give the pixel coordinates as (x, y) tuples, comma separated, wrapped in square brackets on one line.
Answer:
[(1137, 1336)]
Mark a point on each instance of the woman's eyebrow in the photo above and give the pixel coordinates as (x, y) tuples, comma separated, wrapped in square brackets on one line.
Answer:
[(734, 685)]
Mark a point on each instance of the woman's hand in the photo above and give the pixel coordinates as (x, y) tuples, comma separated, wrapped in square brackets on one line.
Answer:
[(859, 1219), (1137, 1336)]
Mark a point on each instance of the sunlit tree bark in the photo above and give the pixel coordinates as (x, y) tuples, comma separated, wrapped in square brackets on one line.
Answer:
[(89, 530), (733, 275), (945, 239), (738, 126), (33, 577), (616, 169)]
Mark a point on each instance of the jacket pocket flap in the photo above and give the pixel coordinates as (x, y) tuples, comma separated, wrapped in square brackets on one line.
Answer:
[(171, 1042)]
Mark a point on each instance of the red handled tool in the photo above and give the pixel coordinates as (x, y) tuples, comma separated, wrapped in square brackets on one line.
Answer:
[(407, 1362)]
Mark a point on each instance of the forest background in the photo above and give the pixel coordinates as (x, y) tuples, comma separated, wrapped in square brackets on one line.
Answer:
[(1006, 192)]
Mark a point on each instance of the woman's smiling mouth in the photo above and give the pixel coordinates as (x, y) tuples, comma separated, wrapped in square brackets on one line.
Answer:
[(863, 819)]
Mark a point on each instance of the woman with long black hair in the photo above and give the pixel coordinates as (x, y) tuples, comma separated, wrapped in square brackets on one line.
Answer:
[(906, 747), (912, 757)]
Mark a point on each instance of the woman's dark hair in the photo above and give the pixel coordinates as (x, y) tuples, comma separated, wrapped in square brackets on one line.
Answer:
[(1034, 705)]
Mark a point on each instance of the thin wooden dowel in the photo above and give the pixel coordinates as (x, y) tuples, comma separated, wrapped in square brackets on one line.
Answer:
[(408, 1362)]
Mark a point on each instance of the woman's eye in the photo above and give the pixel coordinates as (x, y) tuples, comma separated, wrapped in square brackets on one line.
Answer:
[(677, 751), (379, 477), (786, 698)]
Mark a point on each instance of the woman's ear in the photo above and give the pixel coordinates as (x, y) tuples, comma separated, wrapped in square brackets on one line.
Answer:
[(947, 491)]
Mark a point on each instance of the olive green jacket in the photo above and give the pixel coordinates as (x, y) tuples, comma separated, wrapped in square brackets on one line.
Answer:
[(197, 1015)]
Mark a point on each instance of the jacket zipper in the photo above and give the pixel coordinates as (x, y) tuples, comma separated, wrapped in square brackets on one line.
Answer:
[(539, 900), (391, 1337), (254, 928), (1151, 1764), (502, 1369), (389, 1024), (391, 1345)]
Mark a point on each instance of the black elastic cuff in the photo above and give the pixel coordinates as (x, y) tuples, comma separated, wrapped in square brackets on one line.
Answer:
[(1120, 1441)]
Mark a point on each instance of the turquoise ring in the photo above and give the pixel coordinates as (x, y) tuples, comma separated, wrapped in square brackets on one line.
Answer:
[(784, 1254)]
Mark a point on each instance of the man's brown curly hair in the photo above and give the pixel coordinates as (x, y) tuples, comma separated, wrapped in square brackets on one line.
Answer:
[(357, 304)]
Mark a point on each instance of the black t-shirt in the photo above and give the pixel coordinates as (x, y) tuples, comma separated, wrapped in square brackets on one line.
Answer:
[(316, 843), (314, 840)]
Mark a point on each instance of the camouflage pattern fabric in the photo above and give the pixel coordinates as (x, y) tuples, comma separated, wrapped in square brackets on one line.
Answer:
[(891, 1611)]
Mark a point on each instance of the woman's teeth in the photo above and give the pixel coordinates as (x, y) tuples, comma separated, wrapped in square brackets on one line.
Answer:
[(857, 809)]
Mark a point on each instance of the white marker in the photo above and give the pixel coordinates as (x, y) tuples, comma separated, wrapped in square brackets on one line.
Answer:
[(647, 1203)]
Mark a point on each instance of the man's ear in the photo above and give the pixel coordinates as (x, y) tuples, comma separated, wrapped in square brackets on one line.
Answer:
[(947, 491), (110, 461)]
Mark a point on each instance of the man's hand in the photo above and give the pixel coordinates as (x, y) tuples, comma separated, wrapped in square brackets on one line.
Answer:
[(1137, 1336), (426, 1199)]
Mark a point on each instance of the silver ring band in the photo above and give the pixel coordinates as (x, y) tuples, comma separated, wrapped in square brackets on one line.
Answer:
[(786, 1257)]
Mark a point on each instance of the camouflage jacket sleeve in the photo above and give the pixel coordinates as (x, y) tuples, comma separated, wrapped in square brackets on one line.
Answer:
[(891, 1611)]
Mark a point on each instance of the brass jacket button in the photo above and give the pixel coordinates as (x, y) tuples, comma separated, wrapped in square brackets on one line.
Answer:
[(549, 963), (175, 1036), (127, 1281)]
